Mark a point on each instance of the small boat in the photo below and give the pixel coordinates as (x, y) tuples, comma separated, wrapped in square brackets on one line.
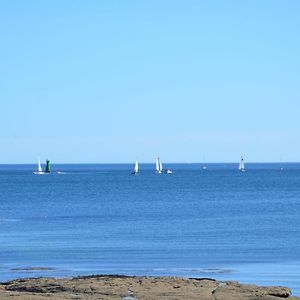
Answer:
[(40, 170), (204, 164), (136, 168), (47, 169), (242, 165), (158, 166), (281, 167), (168, 171)]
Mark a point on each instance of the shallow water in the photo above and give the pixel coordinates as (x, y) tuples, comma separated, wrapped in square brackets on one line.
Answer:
[(199, 223)]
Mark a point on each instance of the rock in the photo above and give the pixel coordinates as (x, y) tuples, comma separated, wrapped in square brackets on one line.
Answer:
[(233, 290), (133, 288)]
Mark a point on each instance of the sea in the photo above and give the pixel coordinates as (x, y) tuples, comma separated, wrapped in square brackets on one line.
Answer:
[(204, 223)]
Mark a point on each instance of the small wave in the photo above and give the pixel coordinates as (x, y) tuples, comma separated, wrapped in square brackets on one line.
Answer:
[(217, 271), (28, 269), (207, 271), (9, 220)]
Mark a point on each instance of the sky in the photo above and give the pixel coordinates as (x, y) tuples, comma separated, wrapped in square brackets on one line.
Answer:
[(117, 81)]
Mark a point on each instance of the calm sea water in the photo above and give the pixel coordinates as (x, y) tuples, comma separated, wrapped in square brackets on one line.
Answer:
[(98, 219)]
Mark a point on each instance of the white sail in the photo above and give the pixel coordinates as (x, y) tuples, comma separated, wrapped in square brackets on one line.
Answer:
[(136, 167), (40, 170), (157, 164), (242, 165), (40, 166), (160, 166)]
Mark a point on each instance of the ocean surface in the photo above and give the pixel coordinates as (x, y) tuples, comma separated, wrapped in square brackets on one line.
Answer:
[(100, 219)]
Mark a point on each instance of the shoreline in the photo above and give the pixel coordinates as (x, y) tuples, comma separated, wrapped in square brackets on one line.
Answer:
[(136, 287)]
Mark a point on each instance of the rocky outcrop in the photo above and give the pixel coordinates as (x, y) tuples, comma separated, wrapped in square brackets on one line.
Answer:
[(134, 288)]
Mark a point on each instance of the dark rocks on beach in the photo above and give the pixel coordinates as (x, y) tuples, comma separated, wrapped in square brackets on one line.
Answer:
[(127, 287)]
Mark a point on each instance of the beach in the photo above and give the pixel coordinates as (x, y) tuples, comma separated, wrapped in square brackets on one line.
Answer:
[(136, 287)]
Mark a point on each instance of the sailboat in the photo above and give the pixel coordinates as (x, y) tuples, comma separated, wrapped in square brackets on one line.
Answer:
[(40, 170), (47, 169), (204, 164), (136, 168), (169, 171), (158, 166), (281, 168), (242, 165)]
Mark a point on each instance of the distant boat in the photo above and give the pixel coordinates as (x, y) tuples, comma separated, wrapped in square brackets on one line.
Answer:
[(281, 168), (136, 168), (47, 169), (158, 166), (242, 165), (204, 164), (40, 170), (168, 171)]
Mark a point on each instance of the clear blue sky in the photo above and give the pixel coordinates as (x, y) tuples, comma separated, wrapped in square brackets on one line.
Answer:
[(116, 81)]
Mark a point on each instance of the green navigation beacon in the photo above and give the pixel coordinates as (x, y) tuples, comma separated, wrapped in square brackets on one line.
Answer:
[(47, 170)]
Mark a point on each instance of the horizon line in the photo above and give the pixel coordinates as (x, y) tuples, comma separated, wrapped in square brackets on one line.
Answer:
[(126, 163)]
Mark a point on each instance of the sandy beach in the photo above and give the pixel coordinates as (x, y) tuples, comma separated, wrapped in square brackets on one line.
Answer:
[(136, 287)]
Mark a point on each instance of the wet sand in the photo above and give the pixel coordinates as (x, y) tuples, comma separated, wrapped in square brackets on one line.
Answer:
[(136, 287)]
